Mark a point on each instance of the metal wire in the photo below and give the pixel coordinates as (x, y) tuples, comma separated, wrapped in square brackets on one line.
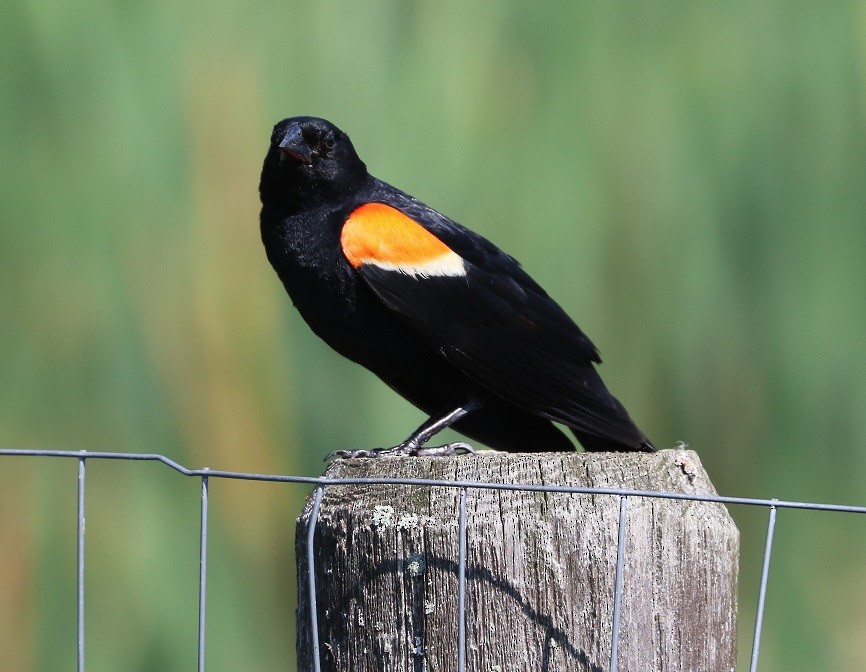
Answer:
[(461, 586), (80, 562), (202, 580), (311, 571), (762, 591), (321, 482), (617, 583), (480, 485)]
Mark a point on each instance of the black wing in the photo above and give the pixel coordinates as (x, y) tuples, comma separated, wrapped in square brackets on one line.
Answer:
[(501, 329)]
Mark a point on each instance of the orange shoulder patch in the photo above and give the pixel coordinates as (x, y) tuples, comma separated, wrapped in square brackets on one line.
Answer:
[(377, 234)]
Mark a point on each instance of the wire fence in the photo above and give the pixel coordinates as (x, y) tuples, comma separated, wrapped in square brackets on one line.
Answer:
[(320, 483)]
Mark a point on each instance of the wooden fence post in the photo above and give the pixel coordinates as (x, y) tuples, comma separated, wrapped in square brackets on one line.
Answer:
[(539, 573)]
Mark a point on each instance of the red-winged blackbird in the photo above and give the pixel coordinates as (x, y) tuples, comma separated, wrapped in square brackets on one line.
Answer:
[(439, 313)]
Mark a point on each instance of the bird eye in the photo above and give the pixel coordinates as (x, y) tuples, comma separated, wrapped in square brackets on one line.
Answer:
[(325, 142)]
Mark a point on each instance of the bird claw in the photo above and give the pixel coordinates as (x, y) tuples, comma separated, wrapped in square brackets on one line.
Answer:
[(446, 450), (348, 454), (405, 450)]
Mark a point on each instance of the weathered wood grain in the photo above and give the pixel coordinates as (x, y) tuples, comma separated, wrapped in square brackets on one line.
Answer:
[(540, 568)]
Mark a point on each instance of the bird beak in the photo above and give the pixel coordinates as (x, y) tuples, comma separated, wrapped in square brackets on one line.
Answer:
[(293, 145)]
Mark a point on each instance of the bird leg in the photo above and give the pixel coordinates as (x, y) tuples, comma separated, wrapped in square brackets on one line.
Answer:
[(414, 445)]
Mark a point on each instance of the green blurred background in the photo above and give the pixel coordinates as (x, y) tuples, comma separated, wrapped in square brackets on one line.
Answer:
[(687, 178)]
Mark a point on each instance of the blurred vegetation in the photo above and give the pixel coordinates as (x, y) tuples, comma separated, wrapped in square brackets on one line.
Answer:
[(687, 178)]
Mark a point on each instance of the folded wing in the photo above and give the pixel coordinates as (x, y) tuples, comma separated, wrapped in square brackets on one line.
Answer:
[(476, 307)]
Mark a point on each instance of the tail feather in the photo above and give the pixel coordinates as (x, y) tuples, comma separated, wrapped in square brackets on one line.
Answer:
[(593, 444)]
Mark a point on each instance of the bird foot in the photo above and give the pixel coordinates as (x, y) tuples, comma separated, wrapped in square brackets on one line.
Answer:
[(407, 449)]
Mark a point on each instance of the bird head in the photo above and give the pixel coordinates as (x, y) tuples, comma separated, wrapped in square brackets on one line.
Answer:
[(310, 159)]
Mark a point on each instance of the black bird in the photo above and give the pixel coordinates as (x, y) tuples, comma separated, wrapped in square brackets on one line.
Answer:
[(438, 312)]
